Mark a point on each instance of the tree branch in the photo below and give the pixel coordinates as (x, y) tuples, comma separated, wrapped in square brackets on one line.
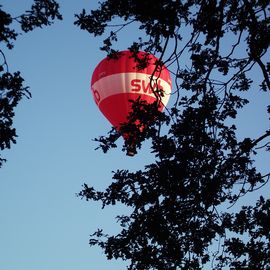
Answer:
[(5, 60), (253, 28), (267, 134)]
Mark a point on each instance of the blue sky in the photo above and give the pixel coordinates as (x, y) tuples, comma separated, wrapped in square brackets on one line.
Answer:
[(43, 225)]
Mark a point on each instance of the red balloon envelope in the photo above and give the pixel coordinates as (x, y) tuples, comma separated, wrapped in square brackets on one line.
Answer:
[(116, 81)]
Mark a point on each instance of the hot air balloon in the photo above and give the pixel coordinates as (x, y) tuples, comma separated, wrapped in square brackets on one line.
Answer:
[(116, 81)]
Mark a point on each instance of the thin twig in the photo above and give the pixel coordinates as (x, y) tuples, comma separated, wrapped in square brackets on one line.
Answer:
[(5, 60)]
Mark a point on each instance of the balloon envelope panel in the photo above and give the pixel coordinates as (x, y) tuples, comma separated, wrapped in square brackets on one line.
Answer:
[(117, 81)]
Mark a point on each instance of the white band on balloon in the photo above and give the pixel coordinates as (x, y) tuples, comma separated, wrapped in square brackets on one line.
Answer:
[(131, 82)]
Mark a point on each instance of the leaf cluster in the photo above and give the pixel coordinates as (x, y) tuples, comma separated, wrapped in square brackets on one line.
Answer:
[(12, 89)]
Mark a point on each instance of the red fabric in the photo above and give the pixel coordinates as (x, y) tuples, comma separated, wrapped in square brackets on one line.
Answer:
[(115, 103), (117, 107), (126, 63)]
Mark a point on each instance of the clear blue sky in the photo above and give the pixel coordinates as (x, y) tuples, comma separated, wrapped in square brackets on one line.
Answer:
[(43, 225)]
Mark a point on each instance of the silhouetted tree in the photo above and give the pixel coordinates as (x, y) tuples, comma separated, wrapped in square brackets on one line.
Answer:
[(211, 48), (12, 88)]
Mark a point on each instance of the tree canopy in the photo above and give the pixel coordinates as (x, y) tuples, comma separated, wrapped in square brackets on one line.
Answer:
[(12, 87), (181, 203)]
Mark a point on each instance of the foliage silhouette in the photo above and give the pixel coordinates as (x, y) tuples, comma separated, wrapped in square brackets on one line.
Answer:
[(181, 203), (200, 165), (12, 89)]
